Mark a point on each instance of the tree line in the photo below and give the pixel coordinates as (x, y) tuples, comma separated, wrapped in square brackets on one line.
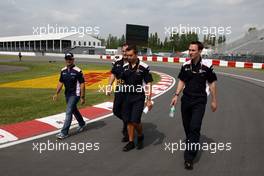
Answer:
[(177, 42)]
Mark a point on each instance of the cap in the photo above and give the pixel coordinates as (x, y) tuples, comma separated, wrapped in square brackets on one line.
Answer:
[(68, 55)]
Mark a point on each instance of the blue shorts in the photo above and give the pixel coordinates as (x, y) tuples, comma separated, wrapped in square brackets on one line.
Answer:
[(133, 108)]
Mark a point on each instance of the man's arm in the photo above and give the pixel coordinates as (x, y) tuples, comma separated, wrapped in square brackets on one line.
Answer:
[(179, 89), (59, 87), (212, 87), (148, 79), (110, 83), (82, 93), (149, 94), (149, 90)]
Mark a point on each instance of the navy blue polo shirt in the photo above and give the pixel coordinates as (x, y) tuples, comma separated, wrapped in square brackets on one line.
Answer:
[(136, 77), (118, 70), (72, 77), (196, 77)]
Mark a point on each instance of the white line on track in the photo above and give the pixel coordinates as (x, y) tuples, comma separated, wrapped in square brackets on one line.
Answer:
[(239, 76)]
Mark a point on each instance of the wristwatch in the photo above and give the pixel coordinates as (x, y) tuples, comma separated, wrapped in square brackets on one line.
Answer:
[(148, 98), (176, 94)]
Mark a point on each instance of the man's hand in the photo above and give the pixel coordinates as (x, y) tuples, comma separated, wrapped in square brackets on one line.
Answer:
[(55, 97), (82, 100), (110, 83), (108, 90), (212, 87), (213, 106), (174, 100), (179, 88), (59, 87), (149, 104)]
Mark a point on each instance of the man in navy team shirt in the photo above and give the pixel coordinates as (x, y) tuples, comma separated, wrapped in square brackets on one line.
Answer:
[(72, 78)]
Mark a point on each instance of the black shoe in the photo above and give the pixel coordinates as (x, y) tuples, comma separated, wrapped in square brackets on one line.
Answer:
[(125, 138), (129, 147), (188, 165), (125, 132), (140, 142), (124, 129)]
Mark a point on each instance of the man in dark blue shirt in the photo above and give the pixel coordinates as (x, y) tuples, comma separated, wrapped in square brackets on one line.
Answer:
[(116, 74), (72, 78), (196, 79), (137, 79)]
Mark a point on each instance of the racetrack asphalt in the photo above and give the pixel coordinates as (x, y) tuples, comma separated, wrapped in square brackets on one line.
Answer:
[(239, 121)]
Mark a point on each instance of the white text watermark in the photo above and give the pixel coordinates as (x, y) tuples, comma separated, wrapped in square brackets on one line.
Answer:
[(212, 147), (80, 147), (55, 29), (205, 30)]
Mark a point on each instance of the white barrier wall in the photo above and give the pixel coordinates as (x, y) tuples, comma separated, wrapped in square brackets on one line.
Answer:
[(50, 54), (16, 53)]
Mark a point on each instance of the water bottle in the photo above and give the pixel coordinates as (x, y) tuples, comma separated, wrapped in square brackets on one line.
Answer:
[(146, 109), (172, 111)]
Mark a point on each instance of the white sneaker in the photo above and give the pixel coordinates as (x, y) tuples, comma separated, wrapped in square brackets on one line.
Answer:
[(81, 128), (62, 136)]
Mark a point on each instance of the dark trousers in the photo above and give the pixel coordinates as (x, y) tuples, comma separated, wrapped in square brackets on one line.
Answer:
[(118, 106), (192, 110)]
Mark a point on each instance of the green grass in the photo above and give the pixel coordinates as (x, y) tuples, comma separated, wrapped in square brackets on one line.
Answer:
[(18, 104), (40, 69), (25, 104), (156, 78)]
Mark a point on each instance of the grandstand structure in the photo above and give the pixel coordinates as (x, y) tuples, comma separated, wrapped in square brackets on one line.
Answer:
[(55, 42), (252, 43)]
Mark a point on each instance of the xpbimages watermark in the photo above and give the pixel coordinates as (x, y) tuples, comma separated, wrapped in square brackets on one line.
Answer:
[(55, 29), (126, 88), (80, 147), (204, 30), (212, 147)]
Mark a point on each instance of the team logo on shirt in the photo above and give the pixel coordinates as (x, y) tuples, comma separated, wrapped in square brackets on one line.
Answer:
[(202, 71)]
